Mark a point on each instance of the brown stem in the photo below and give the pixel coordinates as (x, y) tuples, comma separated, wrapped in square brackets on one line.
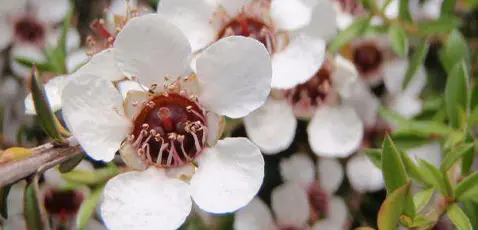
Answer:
[(44, 157)]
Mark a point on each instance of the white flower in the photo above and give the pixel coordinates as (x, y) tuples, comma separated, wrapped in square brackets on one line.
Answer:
[(335, 130), (169, 123), (300, 199), (292, 30), (363, 175)]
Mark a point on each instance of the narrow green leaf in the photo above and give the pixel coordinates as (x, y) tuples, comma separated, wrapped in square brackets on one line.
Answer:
[(71, 163), (42, 106), (375, 155), (392, 207), (421, 221), (412, 169), (96, 177), (34, 212), (3, 200), (467, 161), (433, 175), (29, 63), (369, 4), (404, 11), (442, 25), (88, 207), (64, 31), (395, 176), (455, 155), (415, 62), (456, 93), (422, 198), (454, 50), (406, 141), (468, 188), (352, 32), (398, 39), (471, 210), (448, 7), (458, 217)]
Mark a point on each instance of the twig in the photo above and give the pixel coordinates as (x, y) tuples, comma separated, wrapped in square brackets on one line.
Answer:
[(44, 157)]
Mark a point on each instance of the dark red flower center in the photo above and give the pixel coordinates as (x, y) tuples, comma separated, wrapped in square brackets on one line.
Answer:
[(27, 29), (62, 203), (367, 58), (169, 131), (249, 27), (353, 7), (318, 199), (314, 92)]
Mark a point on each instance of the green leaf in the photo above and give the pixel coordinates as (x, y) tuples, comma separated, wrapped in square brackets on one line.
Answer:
[(433, 175), (64, 31), (421, 221), (29, 63), (88, 207), (398, 39), (467, 162), (392, 207), (71, 163), (412, 169), (453, 156), (96, 177), (442, 25), (350, 33), (3, 200), (471, 210), (454, 50), (468, 188), (458, 217), (448, 7), (34, 212), (422, 198), (42, 106), (406, 141), (416, 61), (404, 11), (456, 93), (375, 155), (369, 4)]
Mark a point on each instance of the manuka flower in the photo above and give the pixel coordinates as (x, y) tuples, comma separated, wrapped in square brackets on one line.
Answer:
[(293, 31), (167, 120), (335, 129)]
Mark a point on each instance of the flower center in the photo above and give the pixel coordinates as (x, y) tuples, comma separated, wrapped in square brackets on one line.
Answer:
[(311, 94), (27, 29), (289, 228), (64, 203), (318, 199), (246, 26), (353, 7), (367, 58), (170, 131)]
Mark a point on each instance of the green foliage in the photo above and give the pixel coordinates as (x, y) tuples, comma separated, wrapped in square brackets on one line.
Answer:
[(456, 93), (458, 217), (34, 211), (398, 39), (353, 31), (392, 208), (416, 61), (88, 207)]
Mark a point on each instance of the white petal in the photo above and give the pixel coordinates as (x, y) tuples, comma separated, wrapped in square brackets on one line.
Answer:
[(102, 65), (92, 108), (132, 103), (326, 224), (6, 33), (322, 22), (25, 51), (298, 168), (15, 199), (255, 216), (53, 90), (10, 88), (130, 156), (298, 62), (15, 222), (363, 175), (149, 48), (290, 205), (193, 18), (126, 86), (290, 14), (145, 200), (235, 75), (429, 152), (363, 101), (11, 7), (405, 105), (52, 11), (76, 60), (337, 211), (272, 126), (228, 177), (335, 131), (232, 7), (331, 174), (344, 76), (394, 75), (431, 10), (215, 124), (73, 39)]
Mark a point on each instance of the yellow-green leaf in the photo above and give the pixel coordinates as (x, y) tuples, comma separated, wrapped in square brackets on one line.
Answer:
[(34, 212), (468, 188), (455, 155), (422, 198), (392, 207), (88, 207), (398, 39), (351, 32), (456, 93), (458, 217), (14, 153)]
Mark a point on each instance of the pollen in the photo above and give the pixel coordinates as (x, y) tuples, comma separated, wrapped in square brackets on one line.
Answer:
[(171, 132)]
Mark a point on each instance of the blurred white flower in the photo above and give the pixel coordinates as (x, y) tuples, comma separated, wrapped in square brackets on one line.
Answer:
[(292, 30), (169, 124), (334, 130)]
